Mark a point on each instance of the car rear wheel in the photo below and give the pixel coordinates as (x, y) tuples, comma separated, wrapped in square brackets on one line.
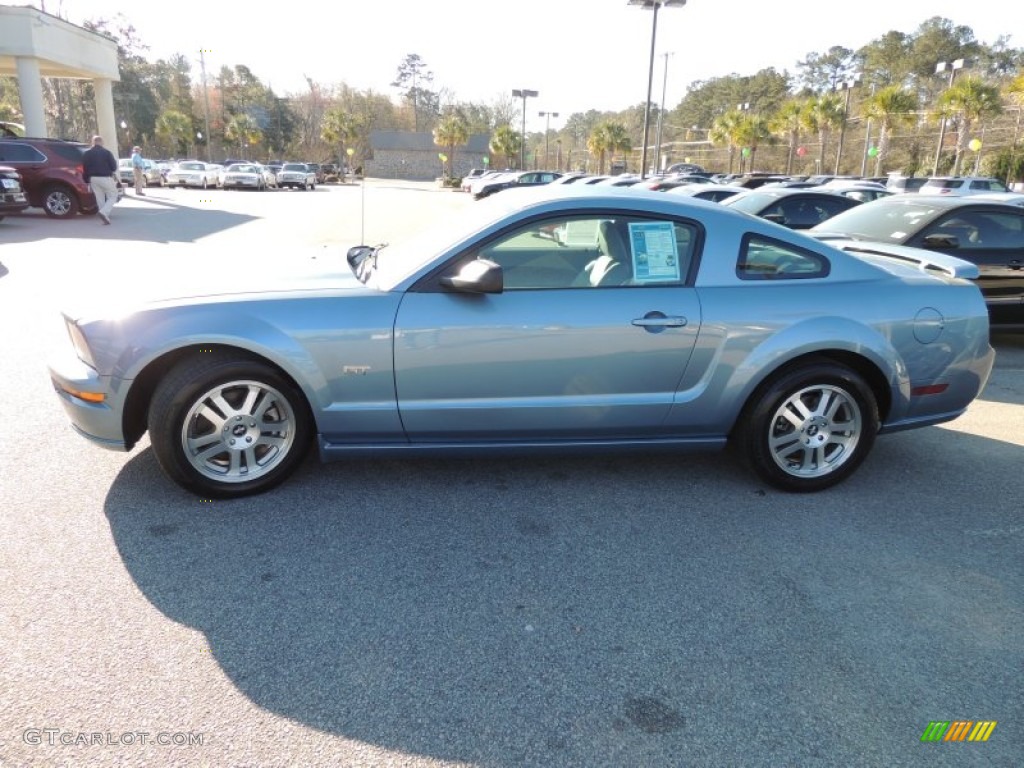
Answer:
[(59, 201), (224, 426), (810, 427)]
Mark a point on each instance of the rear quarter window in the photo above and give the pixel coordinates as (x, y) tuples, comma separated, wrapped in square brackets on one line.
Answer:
[(764, 258)]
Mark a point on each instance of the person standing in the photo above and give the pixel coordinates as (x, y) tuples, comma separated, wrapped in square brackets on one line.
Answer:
[(99, 169), (138, 170)]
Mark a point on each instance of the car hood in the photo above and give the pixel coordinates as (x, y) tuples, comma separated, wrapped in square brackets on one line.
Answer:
[(322, 275)]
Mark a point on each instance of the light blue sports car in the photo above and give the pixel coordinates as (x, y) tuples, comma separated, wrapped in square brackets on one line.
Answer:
[(569, 319)]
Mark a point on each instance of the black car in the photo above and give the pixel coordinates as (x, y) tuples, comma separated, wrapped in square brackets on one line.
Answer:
[(12, 196), (521, 179), (793, 208), (987, 233)]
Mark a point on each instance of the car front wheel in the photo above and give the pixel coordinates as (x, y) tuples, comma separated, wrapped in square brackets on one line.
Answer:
[(810, 427), (224, 426)]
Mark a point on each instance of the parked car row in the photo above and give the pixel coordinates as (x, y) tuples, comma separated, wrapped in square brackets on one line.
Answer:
[(240, 175)]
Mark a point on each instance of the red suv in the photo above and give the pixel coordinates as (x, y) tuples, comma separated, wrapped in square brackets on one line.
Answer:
[(51, 173)]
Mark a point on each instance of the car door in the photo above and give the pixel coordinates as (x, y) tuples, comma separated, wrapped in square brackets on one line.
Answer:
[(589, 338), (992, 238)]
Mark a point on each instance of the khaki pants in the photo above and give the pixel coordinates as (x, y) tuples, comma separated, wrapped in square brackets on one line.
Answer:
[(140, 180), (105, 189)]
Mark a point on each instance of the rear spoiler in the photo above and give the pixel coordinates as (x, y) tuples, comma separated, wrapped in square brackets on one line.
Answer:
[(925, 260)]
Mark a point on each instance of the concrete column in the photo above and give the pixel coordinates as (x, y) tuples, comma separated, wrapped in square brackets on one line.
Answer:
[(30, 86), (105, 120)]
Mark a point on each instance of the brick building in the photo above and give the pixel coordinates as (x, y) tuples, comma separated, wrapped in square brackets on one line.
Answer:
[(407, 155)]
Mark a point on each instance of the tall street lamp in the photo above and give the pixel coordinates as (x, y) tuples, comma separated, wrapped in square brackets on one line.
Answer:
[(547, 132), (847, 86), (661, 114), (941, 67), (524, 95), (653, 5)]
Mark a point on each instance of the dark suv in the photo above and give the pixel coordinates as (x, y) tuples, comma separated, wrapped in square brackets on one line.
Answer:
[(12, 198), (51, 173), (317, 171)]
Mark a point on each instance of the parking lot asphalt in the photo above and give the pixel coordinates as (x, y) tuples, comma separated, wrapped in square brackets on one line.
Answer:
[(609, 611)]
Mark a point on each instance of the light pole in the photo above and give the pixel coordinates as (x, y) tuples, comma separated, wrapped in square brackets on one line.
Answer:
[(847, 86), (661, 114), (199, 140), (524, 95), (742, 109), (547, 133), (124, 129), (654, 5), (954, 67)]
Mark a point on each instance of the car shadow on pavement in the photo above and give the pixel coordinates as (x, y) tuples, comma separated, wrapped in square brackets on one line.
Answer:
[(157, 220), (601, 611), (1006, 385)]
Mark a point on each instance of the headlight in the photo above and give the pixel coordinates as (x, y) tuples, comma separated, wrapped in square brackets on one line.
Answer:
[(79, 343)]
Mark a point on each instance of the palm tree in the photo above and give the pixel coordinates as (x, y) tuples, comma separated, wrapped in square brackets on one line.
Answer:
[(786, 123), (506, 142), (725, 130), (751, 131), (821, 116), (891, 107), (341, 128), (969, 101), (243, 130), (1016, 93), (176, 129), (597, 144), (618, 138), (608, 137), (451, 131)]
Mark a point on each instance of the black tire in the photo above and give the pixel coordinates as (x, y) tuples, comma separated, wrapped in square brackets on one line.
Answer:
[(817, 444), (59, 201), (248, 449)]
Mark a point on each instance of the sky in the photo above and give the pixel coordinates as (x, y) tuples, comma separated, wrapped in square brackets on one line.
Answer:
[(578, 54)]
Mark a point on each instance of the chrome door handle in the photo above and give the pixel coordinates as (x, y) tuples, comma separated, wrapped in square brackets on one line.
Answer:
[(661, 321)]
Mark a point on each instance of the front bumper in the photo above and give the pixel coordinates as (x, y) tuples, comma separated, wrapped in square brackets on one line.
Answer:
[(101, 423)]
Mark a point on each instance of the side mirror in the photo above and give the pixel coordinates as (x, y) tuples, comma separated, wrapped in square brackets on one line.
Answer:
[(941, 242), (478, 276), (357, 253)]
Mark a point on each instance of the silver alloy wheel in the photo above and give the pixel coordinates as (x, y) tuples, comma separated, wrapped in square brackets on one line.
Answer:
[(58, 203), (238, 431), (815, 431)]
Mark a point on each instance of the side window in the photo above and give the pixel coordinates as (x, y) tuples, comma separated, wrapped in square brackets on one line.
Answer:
[(593, 252), (964, 225), (1001, 230), (762, 258), (12, 152)]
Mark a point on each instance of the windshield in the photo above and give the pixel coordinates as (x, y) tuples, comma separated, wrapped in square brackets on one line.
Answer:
[(293, 167), (881, 220), (242, 169), (191, 166), (402, 259), (751, 202)]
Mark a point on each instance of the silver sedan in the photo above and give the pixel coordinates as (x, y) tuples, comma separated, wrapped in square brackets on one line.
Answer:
[(584, 319)]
